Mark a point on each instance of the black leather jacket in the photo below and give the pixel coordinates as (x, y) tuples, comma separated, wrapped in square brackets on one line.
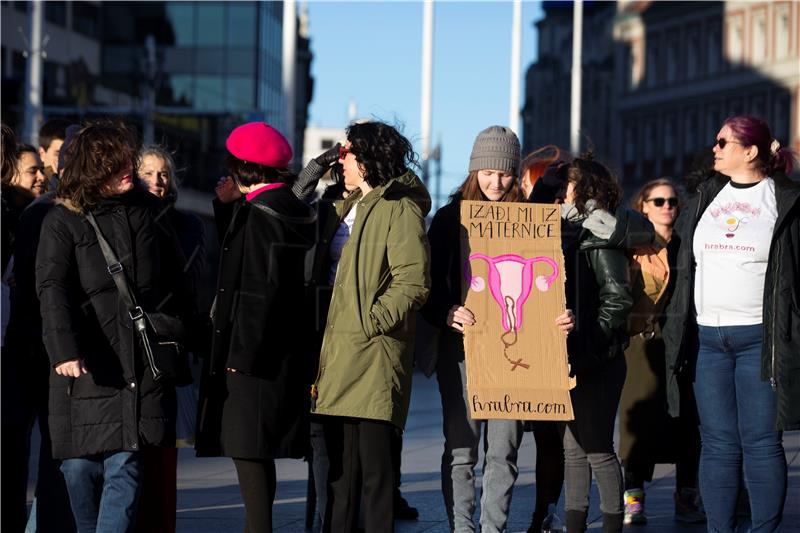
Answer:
[(598, 292), (780, 353)]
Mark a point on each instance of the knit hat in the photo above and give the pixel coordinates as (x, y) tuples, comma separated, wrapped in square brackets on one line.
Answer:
[(496, 148), (258, 142)]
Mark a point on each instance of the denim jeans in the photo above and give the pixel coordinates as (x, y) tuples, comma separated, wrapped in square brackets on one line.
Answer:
[(103, 491), (737, 423), (462, 435)]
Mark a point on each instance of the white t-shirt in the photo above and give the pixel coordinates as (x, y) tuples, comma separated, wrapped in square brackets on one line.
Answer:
[(731, 249), (340, 239)]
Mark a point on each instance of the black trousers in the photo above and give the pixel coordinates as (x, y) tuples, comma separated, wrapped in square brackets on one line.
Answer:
[(24, 394), (361, 472), (549, 469), (257, 483)]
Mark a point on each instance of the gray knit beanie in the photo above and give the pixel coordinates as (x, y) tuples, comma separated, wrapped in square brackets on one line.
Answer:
[(496, 148)]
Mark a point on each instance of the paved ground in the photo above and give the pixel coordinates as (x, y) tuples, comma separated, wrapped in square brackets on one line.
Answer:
[(209, 500)]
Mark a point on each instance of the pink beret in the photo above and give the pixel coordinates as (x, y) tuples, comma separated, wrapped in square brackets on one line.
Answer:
[(258, 142)]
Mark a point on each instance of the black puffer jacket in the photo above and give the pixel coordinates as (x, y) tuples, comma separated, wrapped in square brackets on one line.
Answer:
[(598, 291), (780, 353), (116, 406)]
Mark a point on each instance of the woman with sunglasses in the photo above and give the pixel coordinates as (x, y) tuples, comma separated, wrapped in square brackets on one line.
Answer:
[(363, 386), (733, 323), (646, 430)]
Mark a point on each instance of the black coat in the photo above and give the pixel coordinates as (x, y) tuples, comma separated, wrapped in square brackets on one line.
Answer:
[(261, 410), (117, 405), (780, 351), (598, 292)]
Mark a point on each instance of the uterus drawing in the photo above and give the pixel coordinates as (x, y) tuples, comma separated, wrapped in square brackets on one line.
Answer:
[(510, 284)]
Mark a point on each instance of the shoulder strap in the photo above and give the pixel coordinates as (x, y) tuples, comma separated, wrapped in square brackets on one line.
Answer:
[(115, 268)]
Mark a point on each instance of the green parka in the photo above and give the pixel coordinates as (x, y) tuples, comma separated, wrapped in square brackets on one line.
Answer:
[(382, 279)]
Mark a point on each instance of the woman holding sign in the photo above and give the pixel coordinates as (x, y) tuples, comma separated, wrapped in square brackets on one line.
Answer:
[(597, 287), (493, 176)]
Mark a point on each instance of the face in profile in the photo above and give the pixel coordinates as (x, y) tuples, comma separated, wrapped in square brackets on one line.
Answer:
[(729, 153), (154, 173), (29, 174), (120, 183), (494, 183), (351, 170)]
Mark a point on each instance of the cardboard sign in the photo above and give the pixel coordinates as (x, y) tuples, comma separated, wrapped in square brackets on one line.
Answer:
[(516, 356)]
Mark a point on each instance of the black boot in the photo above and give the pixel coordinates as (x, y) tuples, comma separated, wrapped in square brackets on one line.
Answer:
[(576, 521), (612, 523), (539, 514)]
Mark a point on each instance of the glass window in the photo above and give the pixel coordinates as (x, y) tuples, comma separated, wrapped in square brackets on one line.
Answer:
[(241, 61), (180, 91), (178, 60), (782, 23), (735, 39), (56, 12), (181, 17), (714, 49), (209, 93), (210, 24), (85, 18), (240, 94), (209, 60), (241, 24), (759, 39), (119, 60)]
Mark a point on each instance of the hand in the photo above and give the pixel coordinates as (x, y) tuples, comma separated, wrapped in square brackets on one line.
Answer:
[(73, 368), (459, 316), (329, 157), (226, 190), (566, 322)]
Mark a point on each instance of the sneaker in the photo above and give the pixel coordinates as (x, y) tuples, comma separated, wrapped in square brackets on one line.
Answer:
[(688, 508), (634, 507)]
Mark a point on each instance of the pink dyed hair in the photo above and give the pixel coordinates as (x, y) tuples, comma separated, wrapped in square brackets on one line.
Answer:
[(751, 131)]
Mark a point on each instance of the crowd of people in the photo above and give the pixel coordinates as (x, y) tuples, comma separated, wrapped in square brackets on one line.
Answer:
[(308, 348)]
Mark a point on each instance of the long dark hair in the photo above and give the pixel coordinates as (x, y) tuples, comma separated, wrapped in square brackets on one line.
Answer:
[(99, 151), (593, 181), (381, 151)]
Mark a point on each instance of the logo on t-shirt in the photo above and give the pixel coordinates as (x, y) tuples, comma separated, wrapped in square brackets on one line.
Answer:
[(732, 216)]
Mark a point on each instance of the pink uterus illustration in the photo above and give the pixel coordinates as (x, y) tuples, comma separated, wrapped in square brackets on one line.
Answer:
[(510, 283)]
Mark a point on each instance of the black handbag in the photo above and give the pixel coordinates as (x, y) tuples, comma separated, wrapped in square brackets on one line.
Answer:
[(162, 336)]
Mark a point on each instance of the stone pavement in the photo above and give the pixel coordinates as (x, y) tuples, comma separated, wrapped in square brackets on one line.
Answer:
[(209, 499)]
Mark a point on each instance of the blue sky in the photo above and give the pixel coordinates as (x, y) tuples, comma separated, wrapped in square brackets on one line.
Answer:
[(370, 52)]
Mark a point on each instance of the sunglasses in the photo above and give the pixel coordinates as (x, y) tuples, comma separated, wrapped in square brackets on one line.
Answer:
[(722, 142), (343, 151), (659, 202)]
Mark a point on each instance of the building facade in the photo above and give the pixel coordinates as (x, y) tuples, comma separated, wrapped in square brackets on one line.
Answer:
[(678, 69), (683, 67), (546, 112), (188, 72)]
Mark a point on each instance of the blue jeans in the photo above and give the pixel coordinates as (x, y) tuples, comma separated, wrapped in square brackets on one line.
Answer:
[(104, 490), (737, 423)]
